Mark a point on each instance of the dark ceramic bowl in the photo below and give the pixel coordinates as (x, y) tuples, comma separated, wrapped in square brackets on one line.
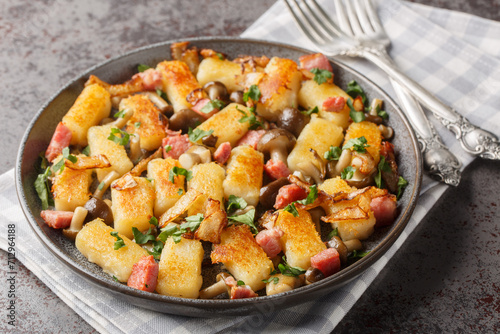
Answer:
[(41, 128)]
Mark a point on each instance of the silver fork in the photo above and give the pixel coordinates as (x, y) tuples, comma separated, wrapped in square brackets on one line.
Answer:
[(439, 162), (333, 41)]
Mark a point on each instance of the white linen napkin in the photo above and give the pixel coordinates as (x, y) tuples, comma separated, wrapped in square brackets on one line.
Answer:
[(449, 53)]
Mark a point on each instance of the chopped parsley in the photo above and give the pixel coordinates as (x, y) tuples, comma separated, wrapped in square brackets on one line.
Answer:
[(383, 166), (176, 231), (176, 171), (234, 203), (246, 218), (333, 153), (381, 113), (142, 67), (119, 243), (157, 248), (251, 119), (168, 148), (115, 279), (219, 55), (42, 188), (123, 140), (162, 94), (288, 270), (321, 76), (356, 116), (291, 209), (333, 233), (357, 144), (314, 110), (348, 173), (357, 255), (240, 283), (120, 114), (197, 134), (273, 280), (142, 238), (137, 125), (212, 105), (354, 90), (153, 221), (402, 183), (311, 197), (86, 151), (59, 166), (101, 185), (253, 94), (180, 191)]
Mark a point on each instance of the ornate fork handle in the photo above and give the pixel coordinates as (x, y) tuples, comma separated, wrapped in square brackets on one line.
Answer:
[(439, 162), (473, 139)]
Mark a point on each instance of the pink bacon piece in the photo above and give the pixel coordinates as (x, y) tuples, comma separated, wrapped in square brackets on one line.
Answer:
[(327, 261), (317, 60), (276, 169), (269, 240), (222, 153), (288, 194), (334, 104), (385, 210), (202, 103), (175, 144), (144, 274), (57, 219), (60, 139), (151, 79), (239, 291), (251, 138)]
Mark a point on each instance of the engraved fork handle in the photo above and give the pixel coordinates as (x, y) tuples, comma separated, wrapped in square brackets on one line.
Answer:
[(439, 162), (473, 139)]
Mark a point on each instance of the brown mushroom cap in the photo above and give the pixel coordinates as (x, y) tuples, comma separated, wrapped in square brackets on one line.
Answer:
[(277, 142), (269, 192), (97, 208), (185, 119), (216, 90), (292, 120)]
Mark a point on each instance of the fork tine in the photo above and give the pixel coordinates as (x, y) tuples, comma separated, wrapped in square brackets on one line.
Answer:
[(342, 18), (332, 26), (373, 17), (353, 20), (363, 18), (309, 30)]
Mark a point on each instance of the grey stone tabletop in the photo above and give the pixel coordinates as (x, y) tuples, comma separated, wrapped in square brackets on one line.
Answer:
[(445, 278)]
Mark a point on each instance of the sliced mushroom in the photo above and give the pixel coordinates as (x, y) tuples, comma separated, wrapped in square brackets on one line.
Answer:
[(292, 120), (185, 119), (210, 141), (105, 183), (313, 275), (314, 168), (121, 121), (376, 105), (316, 215), (269, 192), (97, 208), (135, 148), (196, 154), (341, 248), (353, 244), (283, 284), (216, 90), (387, 131), (160, 103), (217, 288), (76, 223), (277, 143)]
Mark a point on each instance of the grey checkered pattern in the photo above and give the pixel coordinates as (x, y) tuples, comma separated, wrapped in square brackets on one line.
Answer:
[(451, 54)]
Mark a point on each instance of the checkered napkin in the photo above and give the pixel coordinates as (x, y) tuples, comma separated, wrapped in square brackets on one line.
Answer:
[(451, 54)]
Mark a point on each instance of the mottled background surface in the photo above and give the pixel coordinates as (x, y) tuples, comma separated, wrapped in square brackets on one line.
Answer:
[(445, 278)]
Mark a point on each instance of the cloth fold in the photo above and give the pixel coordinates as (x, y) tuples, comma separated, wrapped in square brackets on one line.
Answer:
[(451, 54)]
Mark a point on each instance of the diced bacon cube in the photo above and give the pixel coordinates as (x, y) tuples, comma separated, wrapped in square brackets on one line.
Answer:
[(251, 138), (239, 291), (385, 210), (60, 139), (276, 169), (334, 104), (151, 79), (288, 194), (317, 60), (327, 261), (57, 219), (269, 240), (222, 153), (200, 104), (144, 274), (175, 145)]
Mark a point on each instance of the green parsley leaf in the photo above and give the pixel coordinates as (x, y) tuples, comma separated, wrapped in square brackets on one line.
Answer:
[(288, 270), (356, 116), (101, 185), (157, 249), (240, 282), (291, 209), (333, 153), (357, 144), (197, 134), (153, 221), (142, 238), (247, 219), (219, 55), (176, 171), (168, 148), (59, 166), (314, 110), (120, 114), (119, 243), (382, 113), (402, 183), (253, 94), (234, 203), (321, 76), (180, 191), (383, 166), (252, 119), (311, 197), (357, 255), (348, 173), (44, 163), (123, 140), (137, 125), (274, 280), (142, 67), (212, 105), (116, 279), (354, 90), (43, 189), (333, 233), (86, 151), (162, 94), (192, 223)]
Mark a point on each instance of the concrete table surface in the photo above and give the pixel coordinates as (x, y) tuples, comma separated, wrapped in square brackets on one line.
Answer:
[(445, 278)]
